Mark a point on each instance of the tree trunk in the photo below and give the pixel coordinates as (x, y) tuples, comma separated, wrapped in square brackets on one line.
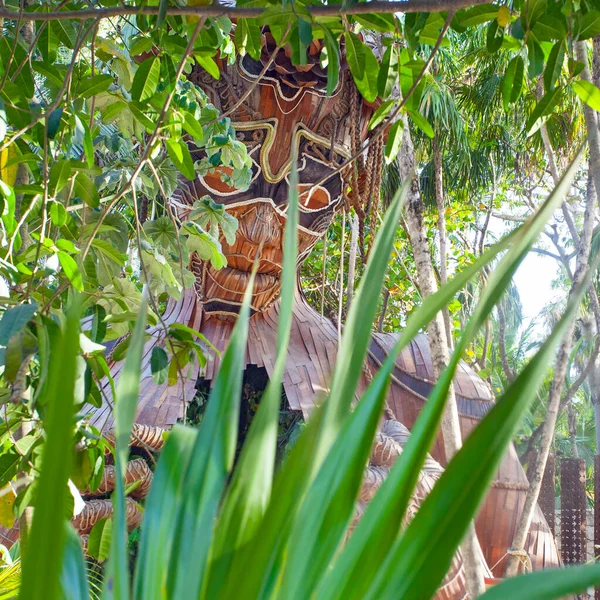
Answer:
[(594, 383), (442, 232), (352, 260), (438, 342), (590, 114), (554, 396)]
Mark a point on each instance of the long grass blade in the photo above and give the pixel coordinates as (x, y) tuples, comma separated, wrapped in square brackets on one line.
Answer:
[(160, 514), (256, 570), (116, 582), (420, 558), (380, 525), (43, 556), (250, 489), (73, 579), (209, 467), (321, 523), (549, 584)]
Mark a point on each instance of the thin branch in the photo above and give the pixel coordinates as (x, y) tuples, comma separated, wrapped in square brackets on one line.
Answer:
[(219, 10)]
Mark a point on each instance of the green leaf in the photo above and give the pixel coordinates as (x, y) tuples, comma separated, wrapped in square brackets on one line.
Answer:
[(86, 190), (145, 80), (548, 584), (53, 120), (60, 173), (58, 213), (355, 54), (162, 13), (385, 23), (48, 535), (250, 490), (421, 122), (494, 41), (394, 141), (3, 121), (248, 38), (381, 113), (475, 15), (128, 387), (512, 82), (535, 55), (209, 466), (99, 540), (554, 65), (543, 110), (161, 512), (333, 61), (14, 320), (140, 44), (587, 93), (95, 85), (73, 578), (71, 270), (367, 86), (162, 231), (159, 364), (209, 65), (588, 25), (388, 73), (179, 153), (206, 246)]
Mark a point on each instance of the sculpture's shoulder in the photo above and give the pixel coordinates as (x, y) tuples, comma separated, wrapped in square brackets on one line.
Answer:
[(413, 377)]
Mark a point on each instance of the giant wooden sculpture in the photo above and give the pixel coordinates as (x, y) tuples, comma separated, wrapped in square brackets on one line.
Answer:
[(288, 107)]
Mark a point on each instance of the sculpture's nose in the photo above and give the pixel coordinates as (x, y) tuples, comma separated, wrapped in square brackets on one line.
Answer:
[(260, 225)]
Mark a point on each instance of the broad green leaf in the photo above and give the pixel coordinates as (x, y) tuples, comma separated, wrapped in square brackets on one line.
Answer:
[(549, 27), (388, 73), (209, 65), (14, 321), (54, 120), (475, 15), (86, 190), (421, 122), (367, 86), (140, 44), (146, 79), (163, 232), (535, 54), (385, 23), (554, 66), (394, 141), (99, 540), (248, 38), (71, 270), (48, 44), (512, 82), (206, 246), (381, 113), (355, 54), (159, 364), (48, 535), (116, 582), (587, 93), (588, 25), (3, 121), (543, 110), (333, 61), (493, 40), (60, 173), (212, 217), (179, 153), (95, 85)]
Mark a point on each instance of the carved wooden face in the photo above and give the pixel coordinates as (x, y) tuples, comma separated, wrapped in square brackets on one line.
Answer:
[(288, 108)]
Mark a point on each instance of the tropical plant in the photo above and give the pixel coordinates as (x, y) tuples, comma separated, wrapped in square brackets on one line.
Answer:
[(255, 534)]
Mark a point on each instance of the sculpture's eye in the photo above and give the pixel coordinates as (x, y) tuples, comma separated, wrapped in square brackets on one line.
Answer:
[(313, 197), (213, 181)]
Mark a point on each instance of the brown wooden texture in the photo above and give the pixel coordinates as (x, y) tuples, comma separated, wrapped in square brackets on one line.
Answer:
[(573, 505), (546, 501), (497, 519)]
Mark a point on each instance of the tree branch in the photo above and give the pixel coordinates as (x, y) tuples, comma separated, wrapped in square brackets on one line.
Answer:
[(218, 10)]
